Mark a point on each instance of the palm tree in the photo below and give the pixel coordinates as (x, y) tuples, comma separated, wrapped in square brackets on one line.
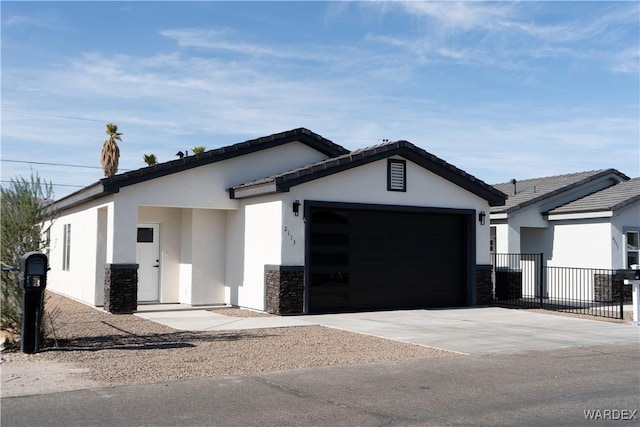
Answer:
[(150, 159), (198, 150), (110, 151)]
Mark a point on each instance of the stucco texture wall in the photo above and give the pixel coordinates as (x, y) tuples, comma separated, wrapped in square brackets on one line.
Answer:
[(85, 277), (368, 184)]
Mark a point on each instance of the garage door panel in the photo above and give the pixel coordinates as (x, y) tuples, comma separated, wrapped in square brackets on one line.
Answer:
[(395, 260)]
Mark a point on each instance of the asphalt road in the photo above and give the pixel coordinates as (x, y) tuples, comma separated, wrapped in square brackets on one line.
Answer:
[(535, 388)]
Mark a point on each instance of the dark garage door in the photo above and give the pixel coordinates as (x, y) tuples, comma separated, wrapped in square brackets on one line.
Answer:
[(363, 259)]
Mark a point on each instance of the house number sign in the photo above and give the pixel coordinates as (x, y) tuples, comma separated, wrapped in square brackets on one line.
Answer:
[(286, 230)]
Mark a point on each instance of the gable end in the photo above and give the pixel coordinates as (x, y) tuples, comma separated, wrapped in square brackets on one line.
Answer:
[(283, 182)]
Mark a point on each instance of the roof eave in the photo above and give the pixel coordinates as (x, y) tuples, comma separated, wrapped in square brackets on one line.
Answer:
[(567, 188), (253, 190), (302, 135), (402, 148), (626, 203), (578, 215), (91, 192)]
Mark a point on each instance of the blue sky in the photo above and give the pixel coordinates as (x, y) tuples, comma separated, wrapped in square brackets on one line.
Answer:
[(501, 90)]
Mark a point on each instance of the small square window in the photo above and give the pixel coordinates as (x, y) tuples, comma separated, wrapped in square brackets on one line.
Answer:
[(396, 175), (145, 235)]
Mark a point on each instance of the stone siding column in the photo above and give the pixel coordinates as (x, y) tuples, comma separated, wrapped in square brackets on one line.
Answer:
[(284, 286), (484, 284), (121, 288)]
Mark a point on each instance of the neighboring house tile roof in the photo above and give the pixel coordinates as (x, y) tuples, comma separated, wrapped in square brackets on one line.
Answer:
[(284, 181), (113, 184), (610, 199), (530, 191)]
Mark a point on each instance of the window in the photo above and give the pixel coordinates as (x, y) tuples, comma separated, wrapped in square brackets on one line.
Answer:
[(633, 248), (145, 235), (66, 247), (396, 175)]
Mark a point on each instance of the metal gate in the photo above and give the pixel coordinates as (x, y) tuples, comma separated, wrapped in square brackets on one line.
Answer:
[(518, 280), (522, 280)]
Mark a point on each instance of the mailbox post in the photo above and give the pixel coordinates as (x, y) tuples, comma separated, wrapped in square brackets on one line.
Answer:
[(635, 283), (33, 281)]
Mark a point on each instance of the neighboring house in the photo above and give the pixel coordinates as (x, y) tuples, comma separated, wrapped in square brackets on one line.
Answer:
[(522, 226), (587, 219), (584, 225), (600, 230), (288, 223)]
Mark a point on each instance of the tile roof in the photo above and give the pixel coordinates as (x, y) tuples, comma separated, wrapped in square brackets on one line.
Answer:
[(113, 184), (303, 135), (286, 180), (530, 191), (609, 199)]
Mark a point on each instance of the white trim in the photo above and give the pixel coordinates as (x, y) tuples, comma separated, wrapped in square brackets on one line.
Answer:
[(258, 190), (495, 216), (580, 215)]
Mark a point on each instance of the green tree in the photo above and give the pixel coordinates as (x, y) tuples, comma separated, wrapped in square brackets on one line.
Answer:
[(198, 150), (110, 155), (25, 228), (150, 159)]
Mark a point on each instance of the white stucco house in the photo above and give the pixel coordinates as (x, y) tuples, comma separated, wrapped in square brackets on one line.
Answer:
[(603, 227), (288, 223), (587, 219)]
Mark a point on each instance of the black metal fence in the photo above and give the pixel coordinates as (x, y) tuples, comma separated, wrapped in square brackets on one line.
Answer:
[(522, 280)]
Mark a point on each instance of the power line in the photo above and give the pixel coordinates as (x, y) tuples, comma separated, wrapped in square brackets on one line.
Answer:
[(54, 164), (55, 185), (57, 116), (50, 164)]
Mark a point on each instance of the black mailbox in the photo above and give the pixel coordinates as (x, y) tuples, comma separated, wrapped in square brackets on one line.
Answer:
[(33, 280), (33, 271), (628, 274)]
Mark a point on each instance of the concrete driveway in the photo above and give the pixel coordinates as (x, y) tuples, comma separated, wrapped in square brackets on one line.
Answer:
[(482, 330), (466, 330)]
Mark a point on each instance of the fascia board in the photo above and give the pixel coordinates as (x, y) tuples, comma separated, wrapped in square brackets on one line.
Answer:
[(579, 215), (255, 190), (497, 216), (86, 194)]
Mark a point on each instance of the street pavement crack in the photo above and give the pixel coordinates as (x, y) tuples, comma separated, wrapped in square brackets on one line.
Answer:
[(386, 419)]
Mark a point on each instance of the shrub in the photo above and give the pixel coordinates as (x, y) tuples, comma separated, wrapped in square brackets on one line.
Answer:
[(23, 217)]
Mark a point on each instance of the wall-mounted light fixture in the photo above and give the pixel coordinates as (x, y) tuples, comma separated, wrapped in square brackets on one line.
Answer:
[(481, 217), (296, 207)]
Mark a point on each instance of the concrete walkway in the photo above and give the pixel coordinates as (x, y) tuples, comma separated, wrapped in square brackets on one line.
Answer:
[(467, 330), (184, 317)]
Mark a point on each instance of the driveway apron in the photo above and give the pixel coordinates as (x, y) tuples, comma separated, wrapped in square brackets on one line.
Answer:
[(482, 330), (479, 330)]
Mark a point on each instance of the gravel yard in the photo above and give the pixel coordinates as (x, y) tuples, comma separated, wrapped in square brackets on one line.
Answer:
[(125, 349)]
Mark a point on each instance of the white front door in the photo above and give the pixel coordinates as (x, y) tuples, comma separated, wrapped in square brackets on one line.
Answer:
[(148, 258)]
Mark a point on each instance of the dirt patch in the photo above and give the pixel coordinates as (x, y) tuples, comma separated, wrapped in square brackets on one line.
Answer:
[(93, 347)]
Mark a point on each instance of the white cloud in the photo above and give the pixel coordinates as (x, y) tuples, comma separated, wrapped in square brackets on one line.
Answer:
[(627, 61), (215, 87), (476, 33), (40, 19), (462, 16)]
